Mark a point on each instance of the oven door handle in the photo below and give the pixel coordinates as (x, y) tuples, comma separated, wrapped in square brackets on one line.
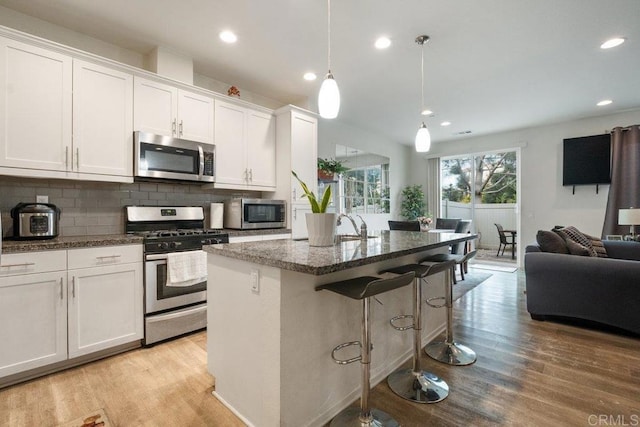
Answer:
[(157, 257)]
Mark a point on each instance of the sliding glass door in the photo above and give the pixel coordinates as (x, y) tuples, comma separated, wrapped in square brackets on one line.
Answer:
[(482, 188)]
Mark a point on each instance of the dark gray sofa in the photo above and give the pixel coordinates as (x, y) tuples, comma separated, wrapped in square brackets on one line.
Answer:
[(603, 290)]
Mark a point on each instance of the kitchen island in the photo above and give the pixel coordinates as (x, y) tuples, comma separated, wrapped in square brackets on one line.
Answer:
[(270, 334)]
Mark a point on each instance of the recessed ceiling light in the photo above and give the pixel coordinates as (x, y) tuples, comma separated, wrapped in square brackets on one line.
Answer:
[(228, 37), (310, 76), (426, 112), (445, 123), (604, 102), (612, 43), (382, 43)]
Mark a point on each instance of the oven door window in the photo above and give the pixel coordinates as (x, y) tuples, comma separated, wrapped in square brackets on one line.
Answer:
[(257, 213), (163, 291), (162, 158)]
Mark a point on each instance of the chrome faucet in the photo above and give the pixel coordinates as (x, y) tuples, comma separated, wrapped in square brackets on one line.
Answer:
[(363, 227)]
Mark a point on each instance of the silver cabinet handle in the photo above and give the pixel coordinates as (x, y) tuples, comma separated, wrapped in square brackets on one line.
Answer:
[(73, 286), (107, 256), (180, 128), (61, 294), (295, 213), (77, 159), (66, 157), (246, 175), (250, 175), (24, 264), (173, 127), (294, 194)]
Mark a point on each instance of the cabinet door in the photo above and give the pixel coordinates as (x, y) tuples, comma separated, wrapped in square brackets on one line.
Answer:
[(102, 120), (35, 107), (195, 117), (304, 149), (261, 149), (105, 307), (33, 321), (155, 107), (298, 220), (230, 144)]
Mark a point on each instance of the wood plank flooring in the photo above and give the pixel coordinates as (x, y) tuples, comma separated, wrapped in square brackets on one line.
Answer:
[(528, 373)]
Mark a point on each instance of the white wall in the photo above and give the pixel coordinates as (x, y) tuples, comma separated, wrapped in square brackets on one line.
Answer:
[(332, 132), (544, 201)]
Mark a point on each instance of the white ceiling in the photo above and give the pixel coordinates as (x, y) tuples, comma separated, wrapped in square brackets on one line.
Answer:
[(491, 65)]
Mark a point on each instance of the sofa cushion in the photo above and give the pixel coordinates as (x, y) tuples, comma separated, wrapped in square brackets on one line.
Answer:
[(551, 242), (576, 248), (598, 246), (575, 235)]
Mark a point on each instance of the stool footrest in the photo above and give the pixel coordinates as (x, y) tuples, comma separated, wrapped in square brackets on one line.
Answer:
[(428, 301), (402, 316), (340, 347)]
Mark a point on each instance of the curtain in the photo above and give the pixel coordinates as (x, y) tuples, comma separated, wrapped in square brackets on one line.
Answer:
[(433, 187), (624, 191)]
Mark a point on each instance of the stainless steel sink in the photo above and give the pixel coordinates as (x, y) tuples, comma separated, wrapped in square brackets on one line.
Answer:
[(349, 237)]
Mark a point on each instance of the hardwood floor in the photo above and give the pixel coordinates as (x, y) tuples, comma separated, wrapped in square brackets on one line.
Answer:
[(528, 373)]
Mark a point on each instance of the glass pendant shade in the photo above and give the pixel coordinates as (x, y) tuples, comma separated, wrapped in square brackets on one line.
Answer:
[(423, 139), (329, 98)]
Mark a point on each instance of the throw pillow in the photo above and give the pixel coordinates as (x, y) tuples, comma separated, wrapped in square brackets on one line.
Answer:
[(551, 242), (598, 246), (572, 233), (576, 248)]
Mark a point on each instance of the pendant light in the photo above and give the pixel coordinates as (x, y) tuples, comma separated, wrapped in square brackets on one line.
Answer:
[(329, 96), (423, 137)]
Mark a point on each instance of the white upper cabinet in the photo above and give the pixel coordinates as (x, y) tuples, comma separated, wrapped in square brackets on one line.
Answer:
[(35, 107), (166, 110), (102, 120), (245, 148)]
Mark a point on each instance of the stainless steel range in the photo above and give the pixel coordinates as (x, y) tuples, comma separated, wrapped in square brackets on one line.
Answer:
[(171, 310)]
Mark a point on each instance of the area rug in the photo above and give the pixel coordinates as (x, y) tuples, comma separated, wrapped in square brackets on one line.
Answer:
[(471, 280), (491, 267), (95, 418)]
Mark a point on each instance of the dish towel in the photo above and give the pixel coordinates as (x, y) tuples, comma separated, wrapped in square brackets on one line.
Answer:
[(186, 268)]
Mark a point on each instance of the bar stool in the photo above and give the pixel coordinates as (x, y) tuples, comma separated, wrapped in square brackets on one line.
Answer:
[(413, 383), (448, 351), (363, 288)]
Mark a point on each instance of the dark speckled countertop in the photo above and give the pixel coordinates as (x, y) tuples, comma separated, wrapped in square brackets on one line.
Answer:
[(297, 255), (71, 242), (15, 246)]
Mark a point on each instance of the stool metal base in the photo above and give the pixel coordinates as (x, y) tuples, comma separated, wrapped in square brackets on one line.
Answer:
[(419, 387), (350, 417), (451, 353)]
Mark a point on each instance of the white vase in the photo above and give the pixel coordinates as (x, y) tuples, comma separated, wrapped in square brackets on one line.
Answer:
[(321, 228)]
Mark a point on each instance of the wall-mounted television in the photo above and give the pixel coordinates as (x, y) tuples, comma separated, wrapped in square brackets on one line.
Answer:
[(587, 160)]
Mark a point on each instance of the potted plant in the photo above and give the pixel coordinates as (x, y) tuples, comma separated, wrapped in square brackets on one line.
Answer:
[(321, 225), (328, 168), (412, 205)]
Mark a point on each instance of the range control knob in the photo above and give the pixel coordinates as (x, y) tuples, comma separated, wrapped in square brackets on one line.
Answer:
[(163, 245), (173, 245)]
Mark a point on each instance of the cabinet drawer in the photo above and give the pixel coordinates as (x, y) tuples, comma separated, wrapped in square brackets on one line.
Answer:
[(33, 262), (104, 255)]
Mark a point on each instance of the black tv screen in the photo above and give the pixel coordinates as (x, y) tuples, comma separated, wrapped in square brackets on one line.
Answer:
[(587, 160)]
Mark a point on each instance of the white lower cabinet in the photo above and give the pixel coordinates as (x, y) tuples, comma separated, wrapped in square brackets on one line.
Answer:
[(299, 221), (59, 314), (105, 307), (33, 321)]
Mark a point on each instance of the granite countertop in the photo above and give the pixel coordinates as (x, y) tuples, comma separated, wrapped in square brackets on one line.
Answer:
[(297, 255), (70, 242)]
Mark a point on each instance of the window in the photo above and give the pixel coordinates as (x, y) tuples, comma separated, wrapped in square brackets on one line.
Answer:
[(366, 189)]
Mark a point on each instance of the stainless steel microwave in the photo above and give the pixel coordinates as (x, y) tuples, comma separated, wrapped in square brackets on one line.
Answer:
[(244, 214), (164, 157)]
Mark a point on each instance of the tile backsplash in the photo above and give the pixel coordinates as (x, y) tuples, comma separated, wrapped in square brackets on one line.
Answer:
[(96, 208)]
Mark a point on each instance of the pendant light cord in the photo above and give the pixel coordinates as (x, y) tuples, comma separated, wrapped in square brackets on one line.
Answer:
[(329, 35), (422, 77)]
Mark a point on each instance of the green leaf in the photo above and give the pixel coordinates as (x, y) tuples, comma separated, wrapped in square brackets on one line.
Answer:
[(326, 199), (315, 207)]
